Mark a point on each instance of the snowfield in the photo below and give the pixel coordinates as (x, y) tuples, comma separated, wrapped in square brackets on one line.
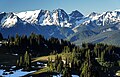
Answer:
[(16, 73)]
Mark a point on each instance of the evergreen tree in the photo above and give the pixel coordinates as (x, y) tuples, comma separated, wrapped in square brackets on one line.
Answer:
[(56, 61), (1, 37), (21, 61), (17, 40), (48, 64), (60, 67), (66, 72), (24, 61), (118, 63), (27, 60), (102, 56), (51, 67), (17, 64)]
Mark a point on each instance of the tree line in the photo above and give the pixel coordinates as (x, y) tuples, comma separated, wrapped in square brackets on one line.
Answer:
[(35, 44)]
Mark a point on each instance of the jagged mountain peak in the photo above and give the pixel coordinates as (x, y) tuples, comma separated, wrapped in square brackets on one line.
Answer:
[(59, 10), (61, 14), (45, 17), (111, 13), (76, 14), (29, 16), (9, 20), (2, 14), (93, 14)]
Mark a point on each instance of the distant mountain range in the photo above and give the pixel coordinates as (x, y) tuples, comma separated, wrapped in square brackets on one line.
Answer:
[(76, 27)]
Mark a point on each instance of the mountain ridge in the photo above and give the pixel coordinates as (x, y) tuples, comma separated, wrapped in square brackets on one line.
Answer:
[(57, 23)]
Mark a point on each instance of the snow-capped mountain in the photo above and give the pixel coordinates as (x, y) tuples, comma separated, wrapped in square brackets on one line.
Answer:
[(44, 17), (58, 23), (9, 20), (75, 18), (50, 24), (96, 24), (76, 15), (106, 21)]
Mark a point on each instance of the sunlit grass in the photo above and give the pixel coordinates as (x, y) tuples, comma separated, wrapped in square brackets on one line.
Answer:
[(45, 58)]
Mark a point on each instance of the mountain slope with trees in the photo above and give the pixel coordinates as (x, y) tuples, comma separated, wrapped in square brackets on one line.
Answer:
[(89, 60)]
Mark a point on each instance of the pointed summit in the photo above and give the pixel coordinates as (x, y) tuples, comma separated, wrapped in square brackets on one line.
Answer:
[(59, 10), (61, 14), (76, 14), (93, 14), (2, 14), (9, 20)]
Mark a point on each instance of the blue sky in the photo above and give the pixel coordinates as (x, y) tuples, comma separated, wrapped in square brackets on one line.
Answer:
[(84, 6)]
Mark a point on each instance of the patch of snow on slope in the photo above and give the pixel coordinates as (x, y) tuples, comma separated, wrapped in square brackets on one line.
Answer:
[(17, 73), (9, 21), (109, 29), (29, 16), (55, 18), (47, 20)]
